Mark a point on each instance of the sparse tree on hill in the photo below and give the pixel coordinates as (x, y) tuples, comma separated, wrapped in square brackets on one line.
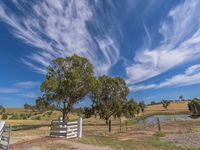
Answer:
[(153, 102), (165, 103), (109, 96), (68, 81), (181, 97)]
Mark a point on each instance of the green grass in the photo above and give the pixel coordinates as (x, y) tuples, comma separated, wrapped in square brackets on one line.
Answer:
[(128, 144), (142, 144)]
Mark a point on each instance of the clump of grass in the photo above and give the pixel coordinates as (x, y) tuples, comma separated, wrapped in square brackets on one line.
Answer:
[(159, 134)]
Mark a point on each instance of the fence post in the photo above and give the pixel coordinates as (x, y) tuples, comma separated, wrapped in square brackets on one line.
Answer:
[(158, 122), (110, 124), (120, 126), (126, 123), (80, 123)]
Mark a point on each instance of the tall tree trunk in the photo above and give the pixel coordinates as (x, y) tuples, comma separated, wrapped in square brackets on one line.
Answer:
[(106, 121), (64, 111)]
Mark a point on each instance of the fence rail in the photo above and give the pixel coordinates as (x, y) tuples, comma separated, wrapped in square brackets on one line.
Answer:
[(70, 129)]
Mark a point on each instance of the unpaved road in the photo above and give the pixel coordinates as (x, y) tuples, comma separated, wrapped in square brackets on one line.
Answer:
[(188, 139), (54, 144)]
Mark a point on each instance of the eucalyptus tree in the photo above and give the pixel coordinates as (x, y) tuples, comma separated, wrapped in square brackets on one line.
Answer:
[(165, 103), (109, 96), (68, 81)]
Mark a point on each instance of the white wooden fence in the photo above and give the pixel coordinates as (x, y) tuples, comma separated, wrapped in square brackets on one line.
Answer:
[(69, 129), (5, 130)]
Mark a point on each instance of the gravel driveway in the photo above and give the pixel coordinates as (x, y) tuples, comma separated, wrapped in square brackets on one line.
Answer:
[(188, 139)]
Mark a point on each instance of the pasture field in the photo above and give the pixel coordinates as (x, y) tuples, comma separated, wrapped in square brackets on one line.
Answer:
[(130, 135), (174, 106)]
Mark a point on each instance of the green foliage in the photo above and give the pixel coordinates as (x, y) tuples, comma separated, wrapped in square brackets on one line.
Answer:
[(15, 117), (68, 81), (131, 108), (4, 117), (88, 112), (27, 106), (2, 110), (142, 106), (23, 116), (181, 97), (165, 103), (109, 96), (194, 106), (159, 134), (153, 102)]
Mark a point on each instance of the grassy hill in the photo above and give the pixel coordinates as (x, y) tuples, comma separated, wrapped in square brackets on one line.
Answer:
[(174, 106)]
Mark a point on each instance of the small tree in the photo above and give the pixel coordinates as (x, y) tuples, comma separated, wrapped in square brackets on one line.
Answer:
[(109, 96), (88, 112), (2, 110), (165, 103), (142, 106), (153, 102), (194, 106), (68, 81), (4, 116), (181, 97)]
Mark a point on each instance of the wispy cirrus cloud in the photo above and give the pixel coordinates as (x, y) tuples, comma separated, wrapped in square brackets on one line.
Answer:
[(29, 95), (191, 76), (9, 90), (180, 44), (60, 28), (27, 84)]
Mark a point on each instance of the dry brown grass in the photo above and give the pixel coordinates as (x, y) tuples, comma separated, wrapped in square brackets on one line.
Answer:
[(174, 106), (15, 109)]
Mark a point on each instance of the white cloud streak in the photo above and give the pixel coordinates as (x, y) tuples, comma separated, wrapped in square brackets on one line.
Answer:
[(27, 84), (9, 90), (59, 29), (29, 95), (190, 77), (180, 44)]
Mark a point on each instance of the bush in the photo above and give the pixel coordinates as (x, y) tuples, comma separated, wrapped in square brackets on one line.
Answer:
[(194, 106), (4, 117), (15, 117), (2, 109), (23, 116)]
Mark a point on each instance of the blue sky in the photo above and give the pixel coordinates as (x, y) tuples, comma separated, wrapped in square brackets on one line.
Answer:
[(154, 45)]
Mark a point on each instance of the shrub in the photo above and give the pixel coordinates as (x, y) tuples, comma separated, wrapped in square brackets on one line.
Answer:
[(23, 116), (2, 109), (15, 117), (194, 106), (4, 116)]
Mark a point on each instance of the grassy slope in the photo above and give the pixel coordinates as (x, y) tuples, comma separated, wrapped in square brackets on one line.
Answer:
[(174, 106)]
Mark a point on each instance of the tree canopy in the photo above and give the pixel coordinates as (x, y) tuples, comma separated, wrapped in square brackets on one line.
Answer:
[(109, 96), (68, 81)]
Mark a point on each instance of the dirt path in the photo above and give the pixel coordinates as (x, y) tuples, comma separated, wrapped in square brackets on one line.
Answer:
[(47, 143), (188, 139)]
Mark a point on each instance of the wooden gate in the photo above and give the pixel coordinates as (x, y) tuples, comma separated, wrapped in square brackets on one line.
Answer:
[(69, 129)]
